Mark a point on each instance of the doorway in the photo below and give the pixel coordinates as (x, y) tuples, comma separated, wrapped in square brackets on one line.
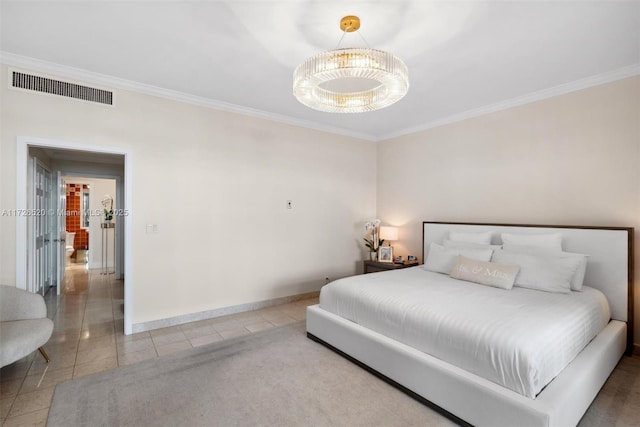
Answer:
[(72, 159), (89, 242)]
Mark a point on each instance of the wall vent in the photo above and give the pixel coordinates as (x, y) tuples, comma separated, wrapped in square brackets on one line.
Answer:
[(57, 87)]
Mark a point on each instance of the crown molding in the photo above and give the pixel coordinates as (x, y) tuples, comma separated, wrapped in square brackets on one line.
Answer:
[(599, 79), (37, 65)]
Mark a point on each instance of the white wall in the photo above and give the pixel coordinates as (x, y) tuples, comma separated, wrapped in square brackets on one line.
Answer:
[(572, 159), (216, 185), (97, 190)]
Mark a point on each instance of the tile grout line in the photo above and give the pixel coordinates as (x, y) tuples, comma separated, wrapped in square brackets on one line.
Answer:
[(30, 365)]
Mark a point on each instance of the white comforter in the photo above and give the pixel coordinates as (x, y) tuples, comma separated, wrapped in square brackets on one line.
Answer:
[(520, 339)]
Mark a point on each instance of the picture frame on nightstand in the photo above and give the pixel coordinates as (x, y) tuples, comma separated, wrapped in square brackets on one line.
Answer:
[(385, 254)]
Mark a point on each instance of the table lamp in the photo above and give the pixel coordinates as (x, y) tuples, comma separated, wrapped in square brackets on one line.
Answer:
[(389, 234)]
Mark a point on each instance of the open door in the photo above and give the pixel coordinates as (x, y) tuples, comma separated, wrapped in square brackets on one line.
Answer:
[(60, 229), (42, 270)]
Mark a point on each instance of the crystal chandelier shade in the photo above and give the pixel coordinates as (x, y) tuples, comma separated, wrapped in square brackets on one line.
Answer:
[(326, 81)]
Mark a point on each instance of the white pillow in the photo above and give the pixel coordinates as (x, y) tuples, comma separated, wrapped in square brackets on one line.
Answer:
[(540, 272), (468, 245), (481, 238), (485, 273), (551, 242), (442, 260), (576, 281)]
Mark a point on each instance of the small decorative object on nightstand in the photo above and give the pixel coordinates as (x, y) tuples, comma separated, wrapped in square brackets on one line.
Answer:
[(385, 254), (375, 266), (372, 239)]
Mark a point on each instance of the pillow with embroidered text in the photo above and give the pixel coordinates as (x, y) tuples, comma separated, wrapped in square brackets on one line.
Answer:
[(485, 273)]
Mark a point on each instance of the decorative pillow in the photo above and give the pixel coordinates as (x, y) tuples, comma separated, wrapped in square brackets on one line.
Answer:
[(485, 273), (468, 245), (576, 281), (540, 272), (481, 238), (551, 242), (442, 260)]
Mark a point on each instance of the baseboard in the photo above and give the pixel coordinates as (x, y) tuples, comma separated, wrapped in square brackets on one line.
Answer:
[(224, 311)]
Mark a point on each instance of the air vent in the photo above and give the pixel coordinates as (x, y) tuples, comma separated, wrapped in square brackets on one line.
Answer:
[(57, 87)]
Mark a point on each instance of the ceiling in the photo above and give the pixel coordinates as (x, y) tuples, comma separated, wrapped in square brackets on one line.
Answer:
[(462, 56), (84, 156)]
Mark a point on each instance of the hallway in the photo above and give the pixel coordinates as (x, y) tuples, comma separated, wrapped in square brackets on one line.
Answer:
[(88, 338)]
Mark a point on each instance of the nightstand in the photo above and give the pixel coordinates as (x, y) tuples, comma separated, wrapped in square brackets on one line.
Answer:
[(375, 266)]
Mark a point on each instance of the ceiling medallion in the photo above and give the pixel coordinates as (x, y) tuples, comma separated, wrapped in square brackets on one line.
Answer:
[(350, 80)]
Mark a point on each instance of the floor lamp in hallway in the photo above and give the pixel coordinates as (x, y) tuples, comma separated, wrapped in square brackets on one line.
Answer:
[(106, 227)]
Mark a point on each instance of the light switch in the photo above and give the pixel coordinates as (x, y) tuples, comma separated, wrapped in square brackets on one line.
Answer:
[(152, 228)]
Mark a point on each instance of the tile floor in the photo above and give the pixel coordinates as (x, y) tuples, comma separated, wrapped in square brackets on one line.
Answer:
[(88, 338)]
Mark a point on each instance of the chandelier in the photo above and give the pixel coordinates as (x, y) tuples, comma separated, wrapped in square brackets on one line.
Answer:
[(351, 80)]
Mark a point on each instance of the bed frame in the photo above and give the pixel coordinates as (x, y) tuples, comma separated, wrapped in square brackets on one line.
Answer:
[(471, 399)]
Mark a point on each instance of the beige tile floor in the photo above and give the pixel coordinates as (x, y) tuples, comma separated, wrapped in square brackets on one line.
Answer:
[(88, 338)]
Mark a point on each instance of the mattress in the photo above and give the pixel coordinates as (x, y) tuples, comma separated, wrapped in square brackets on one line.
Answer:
[(519, 338)]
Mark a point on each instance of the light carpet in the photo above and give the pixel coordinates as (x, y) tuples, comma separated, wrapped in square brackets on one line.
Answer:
[(277, 377)]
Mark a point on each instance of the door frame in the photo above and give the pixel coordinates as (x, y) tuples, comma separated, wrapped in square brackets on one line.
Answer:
[(22, 156)]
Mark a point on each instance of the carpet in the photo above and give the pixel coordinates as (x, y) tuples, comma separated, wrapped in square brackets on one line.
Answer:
[(618, 403), (277, 377)]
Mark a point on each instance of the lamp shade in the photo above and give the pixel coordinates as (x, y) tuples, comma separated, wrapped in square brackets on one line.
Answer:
[(389, 233)]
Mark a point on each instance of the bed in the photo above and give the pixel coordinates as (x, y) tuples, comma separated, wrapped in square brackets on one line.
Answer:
[(389, 343)]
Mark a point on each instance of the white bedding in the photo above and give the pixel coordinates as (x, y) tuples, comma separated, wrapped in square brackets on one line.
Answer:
[(519, 338)]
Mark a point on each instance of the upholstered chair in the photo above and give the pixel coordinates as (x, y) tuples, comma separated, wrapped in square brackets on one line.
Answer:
[(24, 326)]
